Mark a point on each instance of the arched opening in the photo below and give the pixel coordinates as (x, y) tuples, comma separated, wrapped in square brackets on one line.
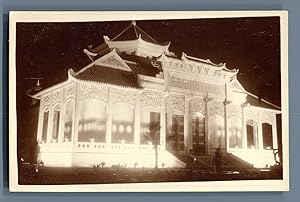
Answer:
[(68, 121), (150, 126), (252, 132), (267, 136), (92, 121), (45, 126), (55, 126), (175, 132), (122, 124)]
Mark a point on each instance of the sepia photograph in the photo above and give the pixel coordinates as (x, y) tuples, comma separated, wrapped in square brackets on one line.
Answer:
[(148, 101)]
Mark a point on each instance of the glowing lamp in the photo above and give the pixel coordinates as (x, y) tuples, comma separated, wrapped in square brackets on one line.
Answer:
[(128, 129), (121, 128), (218, 133), (114, 128)]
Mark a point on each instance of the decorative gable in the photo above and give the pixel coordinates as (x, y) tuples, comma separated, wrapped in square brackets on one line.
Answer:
[(235, 85), (113, 60)]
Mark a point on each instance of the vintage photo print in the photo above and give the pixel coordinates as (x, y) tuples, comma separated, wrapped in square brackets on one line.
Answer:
[(148, 101)]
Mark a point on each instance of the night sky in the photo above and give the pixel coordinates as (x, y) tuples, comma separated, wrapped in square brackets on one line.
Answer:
[(251, 45)]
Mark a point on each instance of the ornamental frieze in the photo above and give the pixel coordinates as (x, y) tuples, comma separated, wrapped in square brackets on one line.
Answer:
[(69, 93), (151, 98), (187, 67), (57, 107), (197, 105), (93, 92), (45, 103), (197, 68), (176, 102), (123, 96), (268, 117), (57, 97), (215, 108)]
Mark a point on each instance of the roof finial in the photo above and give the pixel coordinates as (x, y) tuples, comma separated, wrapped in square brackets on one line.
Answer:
[(133, 22)]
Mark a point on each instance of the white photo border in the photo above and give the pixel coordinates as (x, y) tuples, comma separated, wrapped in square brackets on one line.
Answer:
[(207, 186)]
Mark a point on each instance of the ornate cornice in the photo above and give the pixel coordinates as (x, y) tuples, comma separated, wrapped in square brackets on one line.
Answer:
[(216, 108), (197, 105), (93, 92)]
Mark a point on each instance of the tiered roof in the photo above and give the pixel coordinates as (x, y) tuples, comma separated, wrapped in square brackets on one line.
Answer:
[(132, 40), (111, 65)]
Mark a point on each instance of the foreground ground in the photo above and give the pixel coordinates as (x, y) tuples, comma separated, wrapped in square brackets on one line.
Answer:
[(47, 175)]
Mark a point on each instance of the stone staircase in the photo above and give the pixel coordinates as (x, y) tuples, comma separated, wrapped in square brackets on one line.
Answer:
[(230, 162)]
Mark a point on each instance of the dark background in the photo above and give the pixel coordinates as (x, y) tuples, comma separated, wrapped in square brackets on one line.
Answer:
[(251, 45), (294, 96)]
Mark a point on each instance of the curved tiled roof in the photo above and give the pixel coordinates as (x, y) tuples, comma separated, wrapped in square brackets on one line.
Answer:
[(109, 75), (258, 102)]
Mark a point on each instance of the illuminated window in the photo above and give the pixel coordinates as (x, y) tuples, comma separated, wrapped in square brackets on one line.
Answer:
[(45, 126), (68, 121), (198, 135), (267, 136), (122, 124), (55, 129), (150, 127), (252, 132), (175, 133), (92, 121)]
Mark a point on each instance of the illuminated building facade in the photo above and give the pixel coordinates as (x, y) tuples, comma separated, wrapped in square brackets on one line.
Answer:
[(108, 111)]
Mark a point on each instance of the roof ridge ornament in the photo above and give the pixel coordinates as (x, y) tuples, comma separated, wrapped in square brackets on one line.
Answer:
[(133, 22)]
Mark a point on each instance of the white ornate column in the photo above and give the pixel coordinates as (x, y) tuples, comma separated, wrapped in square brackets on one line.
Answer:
[(75, 113), (260, 133), (244, 135), (41, 120), (137, 121), (108, 119), (187, 143), (274, 133), (50, 122), (61, 126), (226, 129), (163, 121), (207, 99)]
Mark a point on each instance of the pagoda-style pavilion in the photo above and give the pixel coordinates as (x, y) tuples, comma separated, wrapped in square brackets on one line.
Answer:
[(136, 94)]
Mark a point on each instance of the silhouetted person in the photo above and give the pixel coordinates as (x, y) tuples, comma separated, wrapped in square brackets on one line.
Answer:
[(218, 160)]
